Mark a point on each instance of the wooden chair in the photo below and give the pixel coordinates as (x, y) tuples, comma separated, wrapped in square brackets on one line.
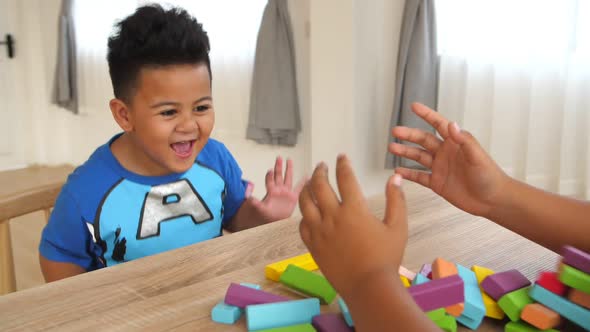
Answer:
[(24, 191)]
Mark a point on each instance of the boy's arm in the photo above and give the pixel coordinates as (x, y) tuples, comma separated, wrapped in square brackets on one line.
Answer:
[(278, 203), (466, 176), (358, 253), (53, 270)]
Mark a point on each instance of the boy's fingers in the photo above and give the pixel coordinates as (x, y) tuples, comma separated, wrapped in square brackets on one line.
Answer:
[(299, 185), (278, 176), (425, 139), (348, 186), (395, 208), (289, 174), (474, 153), (419, 177), (305, 233), (249, 189), (423, 157), (269, 179), (307, 206), (433, 118), (322, 191)]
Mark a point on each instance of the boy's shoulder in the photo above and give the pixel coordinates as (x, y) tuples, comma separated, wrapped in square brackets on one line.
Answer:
[(216, 155)]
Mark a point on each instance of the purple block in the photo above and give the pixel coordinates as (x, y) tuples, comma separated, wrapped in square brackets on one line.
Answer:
[(576, 258), (426, 269), (332, 322), (242, 296), (439, 293), (502, 283)]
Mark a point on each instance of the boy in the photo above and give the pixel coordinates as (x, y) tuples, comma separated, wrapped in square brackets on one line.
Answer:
[(162, 183), (360, 255)]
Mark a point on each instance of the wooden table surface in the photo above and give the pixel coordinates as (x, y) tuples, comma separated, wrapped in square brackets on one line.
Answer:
[(176, 290)]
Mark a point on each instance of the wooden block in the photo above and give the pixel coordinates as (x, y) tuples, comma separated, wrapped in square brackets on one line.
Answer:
[(225, 314), (540, 316), (308, 283), (292, 328), (447, 323), (580, 298), (513, 303), (565, 308), (273, 271), (502, 283), (440, 269), (242, 296), (493, 310), (575, 278), (523, 327), (425, 270), (420, 279), (247, 284), (474, 311), (438, 293), (279, 314), (405, 281), (576, 258), (436, 314), (345, 312), (406, 273), (550, 281), (330, 322)]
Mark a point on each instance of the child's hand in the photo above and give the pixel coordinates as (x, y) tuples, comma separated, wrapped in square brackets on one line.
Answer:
[(347, 241), (281, 197), (461, 171)]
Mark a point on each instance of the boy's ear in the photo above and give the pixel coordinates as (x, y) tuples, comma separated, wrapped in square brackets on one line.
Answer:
[(121, 114)]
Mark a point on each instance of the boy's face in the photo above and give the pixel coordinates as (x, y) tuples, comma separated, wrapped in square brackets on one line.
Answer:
[(171, 117)]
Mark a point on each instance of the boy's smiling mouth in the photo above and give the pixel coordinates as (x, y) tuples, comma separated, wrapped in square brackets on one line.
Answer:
[(183, 149)]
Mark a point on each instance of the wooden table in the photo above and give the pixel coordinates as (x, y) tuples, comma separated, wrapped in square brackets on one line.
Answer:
[(176, 290)]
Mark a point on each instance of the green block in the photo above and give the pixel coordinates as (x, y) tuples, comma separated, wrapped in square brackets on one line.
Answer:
[(513, 303), (523, 327), (437, 314), (308, 283), (448, 323), (575, 278), (292, 328)]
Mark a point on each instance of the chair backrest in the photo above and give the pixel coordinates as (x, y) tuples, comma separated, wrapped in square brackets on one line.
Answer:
[(23, 191)]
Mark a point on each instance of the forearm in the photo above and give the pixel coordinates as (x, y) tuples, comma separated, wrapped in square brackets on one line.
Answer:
[(382, 303), (246, 217), (548, 219), (53, 271)]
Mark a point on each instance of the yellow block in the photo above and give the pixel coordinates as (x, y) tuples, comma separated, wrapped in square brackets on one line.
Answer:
[(273, 271), (405, 281), (493, 310)]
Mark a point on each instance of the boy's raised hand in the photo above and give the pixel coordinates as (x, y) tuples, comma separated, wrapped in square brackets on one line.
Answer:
[(281, 197), (460, 170), (347, 241)]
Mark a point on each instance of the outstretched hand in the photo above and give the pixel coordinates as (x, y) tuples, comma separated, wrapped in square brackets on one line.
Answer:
[(347, 241), (460, 170)]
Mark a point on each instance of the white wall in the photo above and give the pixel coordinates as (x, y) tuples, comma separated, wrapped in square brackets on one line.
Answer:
[(346, 55)]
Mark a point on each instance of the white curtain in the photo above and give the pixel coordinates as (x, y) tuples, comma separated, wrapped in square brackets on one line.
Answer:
[(232, 27), (517, 75)]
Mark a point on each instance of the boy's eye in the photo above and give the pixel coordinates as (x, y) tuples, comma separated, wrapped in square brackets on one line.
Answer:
[(168, 112), (202, 108)]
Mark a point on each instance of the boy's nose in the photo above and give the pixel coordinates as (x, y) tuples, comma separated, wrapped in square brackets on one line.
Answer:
[(188, 123)]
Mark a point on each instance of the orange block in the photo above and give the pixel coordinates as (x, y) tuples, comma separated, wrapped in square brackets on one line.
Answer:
[(540, 316), (580, 298), (441, 269)]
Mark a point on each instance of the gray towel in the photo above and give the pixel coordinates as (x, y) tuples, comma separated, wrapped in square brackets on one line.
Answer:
[(417, 71), (65, 88), (274, 105)]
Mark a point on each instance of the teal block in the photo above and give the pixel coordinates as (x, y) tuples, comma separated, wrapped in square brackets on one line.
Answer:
[(255, 286), (513, 303), (225, 314), (573, 312), (470, 322), (345, 312), (420, 279), (280, 314), (475, 310)]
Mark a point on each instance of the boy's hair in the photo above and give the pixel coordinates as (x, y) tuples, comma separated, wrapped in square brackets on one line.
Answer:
[(150, 38)]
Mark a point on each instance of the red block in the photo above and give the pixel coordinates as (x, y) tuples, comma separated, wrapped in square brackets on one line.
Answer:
[(550, 281)]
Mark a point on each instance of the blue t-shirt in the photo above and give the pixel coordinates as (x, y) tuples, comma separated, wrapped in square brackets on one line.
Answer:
[(106, 215)]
